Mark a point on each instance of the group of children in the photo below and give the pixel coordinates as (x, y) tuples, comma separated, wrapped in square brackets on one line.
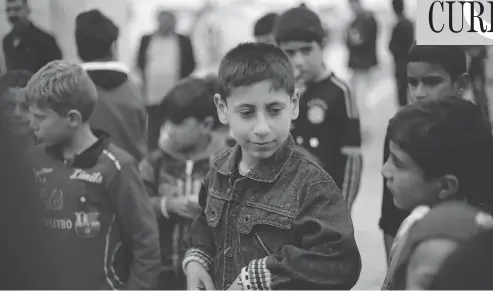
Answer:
[(270, 210)]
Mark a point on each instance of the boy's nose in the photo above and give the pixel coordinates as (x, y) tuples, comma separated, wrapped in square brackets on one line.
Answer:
[(261, 127), (386, 173), (420, 92)]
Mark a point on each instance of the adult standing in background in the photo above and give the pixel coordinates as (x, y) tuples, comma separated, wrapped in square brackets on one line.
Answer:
[(361, 40), (27, 47), (400, 42), (477, 58), (164, 58)]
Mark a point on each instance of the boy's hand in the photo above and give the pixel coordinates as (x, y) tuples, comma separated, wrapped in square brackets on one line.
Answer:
[(182, 206), (236, 284), (198, 278)]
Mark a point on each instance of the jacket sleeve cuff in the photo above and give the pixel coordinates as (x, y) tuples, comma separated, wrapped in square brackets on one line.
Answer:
[(199, 256), (256, 276), (162, 206)]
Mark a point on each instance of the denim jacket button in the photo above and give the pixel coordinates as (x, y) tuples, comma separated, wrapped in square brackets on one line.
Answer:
[(229, 252), (287, 206), (213, 213)]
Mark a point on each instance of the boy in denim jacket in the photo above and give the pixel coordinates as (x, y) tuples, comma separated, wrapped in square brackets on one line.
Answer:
[(272, 218)]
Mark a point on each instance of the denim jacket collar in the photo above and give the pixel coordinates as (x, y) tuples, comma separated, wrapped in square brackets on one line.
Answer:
[(266, 170)]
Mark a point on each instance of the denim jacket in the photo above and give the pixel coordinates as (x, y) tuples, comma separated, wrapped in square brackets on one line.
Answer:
[(283, 226)]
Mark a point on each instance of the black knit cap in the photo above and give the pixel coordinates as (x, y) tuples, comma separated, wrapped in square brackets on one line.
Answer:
[(299, 24), (94, 24), (265, 24)]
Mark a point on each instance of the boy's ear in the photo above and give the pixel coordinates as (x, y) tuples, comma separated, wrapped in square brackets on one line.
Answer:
[(222, 109), (74, 118), (449, 187), (462, 84)]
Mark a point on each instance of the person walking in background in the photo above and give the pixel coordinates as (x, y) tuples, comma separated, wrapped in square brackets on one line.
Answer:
[(27, 47), (120, 110), (400, 42), (477, 57), (361, 40), (164, 58), (264, 27)]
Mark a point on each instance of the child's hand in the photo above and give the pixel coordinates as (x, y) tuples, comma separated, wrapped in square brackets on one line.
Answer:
[(236, 284), (198, 278), (181, 206)]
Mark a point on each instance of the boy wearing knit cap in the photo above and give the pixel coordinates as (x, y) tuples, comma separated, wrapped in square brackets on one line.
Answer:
[(328, 124), (264, 27), (434, 236), (120, 110), (440, 150)]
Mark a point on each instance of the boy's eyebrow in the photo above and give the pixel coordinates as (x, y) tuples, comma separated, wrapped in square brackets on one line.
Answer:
[(275, 103)]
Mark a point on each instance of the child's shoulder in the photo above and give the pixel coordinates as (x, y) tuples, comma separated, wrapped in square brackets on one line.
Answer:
[(118, 156), (330, 88)]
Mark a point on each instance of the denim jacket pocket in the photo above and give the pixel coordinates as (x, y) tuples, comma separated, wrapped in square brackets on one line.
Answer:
[(214, 210), (262, 233)]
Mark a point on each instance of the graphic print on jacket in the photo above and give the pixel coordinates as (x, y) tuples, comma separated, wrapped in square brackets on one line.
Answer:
[(169, 173)]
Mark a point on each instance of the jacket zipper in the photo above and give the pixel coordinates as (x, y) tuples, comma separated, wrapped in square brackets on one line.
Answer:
[(262, 244)]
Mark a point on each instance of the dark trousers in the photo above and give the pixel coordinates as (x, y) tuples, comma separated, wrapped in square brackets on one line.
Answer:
[(171, 280), (401, 83), (154, 122)]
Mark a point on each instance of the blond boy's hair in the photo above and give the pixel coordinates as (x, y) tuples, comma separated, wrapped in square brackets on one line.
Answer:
[(63, 86)]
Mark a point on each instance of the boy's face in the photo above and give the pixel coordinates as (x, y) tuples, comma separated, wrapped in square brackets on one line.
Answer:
[(427, 80), (259, 118), (184, 135), (407, 181), (49, 127), (306, 58), (17, 109), (426, 261)]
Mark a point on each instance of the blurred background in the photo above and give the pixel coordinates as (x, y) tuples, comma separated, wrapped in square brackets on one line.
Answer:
[(215, 26)]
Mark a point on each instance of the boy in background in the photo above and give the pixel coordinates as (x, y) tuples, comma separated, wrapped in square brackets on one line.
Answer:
[(120, 110), (266, 206), (432, 71), (264, 27), (328, 124), (14, 105), (174, 172), (440, 150), (95, 208)]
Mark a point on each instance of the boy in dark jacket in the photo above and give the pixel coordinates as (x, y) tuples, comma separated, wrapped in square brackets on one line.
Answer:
[(96, 210), (441, 150), (120, 110), (272, 218), (328, 125), (174, 172), (432, 71)]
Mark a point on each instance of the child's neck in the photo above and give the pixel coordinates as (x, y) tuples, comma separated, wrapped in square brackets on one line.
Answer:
[(82, 139), (323, 73)]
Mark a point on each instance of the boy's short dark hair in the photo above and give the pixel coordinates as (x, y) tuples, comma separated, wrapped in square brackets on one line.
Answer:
[(191, 97), (265, 24), (94, 35), (63, 86), (250, 63), (451, 58), (398, 6), (448, 135), (299, 24), (14, 79)]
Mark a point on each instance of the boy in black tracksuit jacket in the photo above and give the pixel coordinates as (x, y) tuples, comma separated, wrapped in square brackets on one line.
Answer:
[(328, 124), (96, 209)]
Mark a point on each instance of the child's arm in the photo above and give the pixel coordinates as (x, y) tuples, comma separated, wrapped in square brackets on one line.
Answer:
[(350, 145), (138, 225), (199, 241), (326, 255)]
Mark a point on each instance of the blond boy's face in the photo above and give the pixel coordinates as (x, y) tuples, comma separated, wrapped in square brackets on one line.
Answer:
[(48, 126)]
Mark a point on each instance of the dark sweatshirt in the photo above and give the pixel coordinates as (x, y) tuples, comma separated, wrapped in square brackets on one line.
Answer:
[(97, 214), (120, 110)]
